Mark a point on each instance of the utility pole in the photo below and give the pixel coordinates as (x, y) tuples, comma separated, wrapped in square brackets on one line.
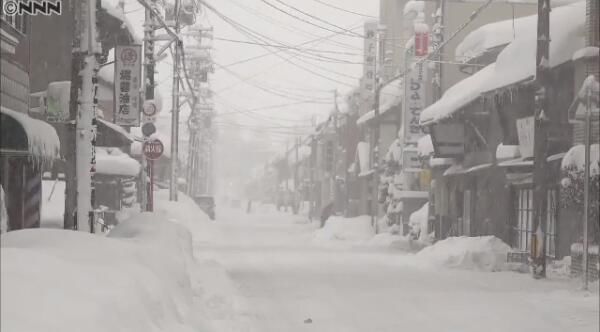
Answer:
[(541, 124), (334, 157), (80, 154), (586, 181), (149, 25), (173, 185)]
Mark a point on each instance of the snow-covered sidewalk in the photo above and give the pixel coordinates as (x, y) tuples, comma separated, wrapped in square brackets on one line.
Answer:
[(142, 276)]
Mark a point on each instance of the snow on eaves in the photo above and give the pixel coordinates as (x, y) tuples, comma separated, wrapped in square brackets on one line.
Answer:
[(516, 62), (586, 53), (575, 159), (42, 137), (113, 161), (413, 7), (505, 152), (490, 36), (390, 97), (119, 15), (458, 96)]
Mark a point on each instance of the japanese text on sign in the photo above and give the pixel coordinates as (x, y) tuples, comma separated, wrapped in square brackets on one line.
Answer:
[(128, 70)]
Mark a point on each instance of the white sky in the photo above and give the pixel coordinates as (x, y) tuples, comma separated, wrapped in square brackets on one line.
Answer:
[(273, 128)]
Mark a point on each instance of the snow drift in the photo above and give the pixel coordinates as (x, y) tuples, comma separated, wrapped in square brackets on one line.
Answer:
[(486, 253), (346, 229), (136, 279)]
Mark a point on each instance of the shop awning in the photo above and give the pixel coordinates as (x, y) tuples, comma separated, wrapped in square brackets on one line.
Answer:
[(518, 162), (111, 134), (24, 135), (458, 169)]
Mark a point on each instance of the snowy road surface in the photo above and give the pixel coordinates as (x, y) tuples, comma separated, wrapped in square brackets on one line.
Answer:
[(286, 278)]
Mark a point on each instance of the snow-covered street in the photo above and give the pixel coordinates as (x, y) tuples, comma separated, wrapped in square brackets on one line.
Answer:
[(294, 282)]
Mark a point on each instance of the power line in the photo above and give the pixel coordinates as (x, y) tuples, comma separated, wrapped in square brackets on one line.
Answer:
[(343, 9), (286, 47), (317, 18), (354, 34), (251, 34), (285, 26)]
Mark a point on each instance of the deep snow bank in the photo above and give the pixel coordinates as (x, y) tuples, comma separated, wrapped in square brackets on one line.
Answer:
[(346, 229), (136, 279), (487, 253)]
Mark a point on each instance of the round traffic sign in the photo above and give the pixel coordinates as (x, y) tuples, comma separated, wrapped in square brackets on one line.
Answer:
[(149, 108), (153, 149)]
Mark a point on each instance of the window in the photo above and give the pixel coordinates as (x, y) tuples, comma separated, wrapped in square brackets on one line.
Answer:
[(524, 215), (551, 216)]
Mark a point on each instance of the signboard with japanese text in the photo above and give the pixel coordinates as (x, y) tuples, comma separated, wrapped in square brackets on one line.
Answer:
[(525, 134), (414, 102), (370, 56), (128, 83)]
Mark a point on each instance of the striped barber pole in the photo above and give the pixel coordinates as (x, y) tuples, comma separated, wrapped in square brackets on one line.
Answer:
[(32, 200)]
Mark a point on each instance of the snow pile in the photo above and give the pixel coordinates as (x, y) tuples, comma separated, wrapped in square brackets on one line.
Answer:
[(346, 229), (391, 96), (113, 161), (394, 151), (560, 268), (418, 223), (487, 253), (136, 279)]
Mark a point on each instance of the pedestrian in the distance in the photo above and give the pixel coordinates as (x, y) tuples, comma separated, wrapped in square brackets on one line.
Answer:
[(326, 213)]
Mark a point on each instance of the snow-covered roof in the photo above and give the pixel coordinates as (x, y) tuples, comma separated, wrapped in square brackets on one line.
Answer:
[(117, 129), (575, 159), (118, 14), (390, 97), (425, 146), (458, 96), (42, 138), (516, 62), (490, 36), (113, 161), (586, 53), (413, 7)]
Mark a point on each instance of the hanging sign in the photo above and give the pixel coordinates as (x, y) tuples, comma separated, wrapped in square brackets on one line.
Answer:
[(128, 73), (414, 103), (525, 133)]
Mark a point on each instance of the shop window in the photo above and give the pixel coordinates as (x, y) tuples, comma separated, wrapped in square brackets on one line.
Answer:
[(524, 219)]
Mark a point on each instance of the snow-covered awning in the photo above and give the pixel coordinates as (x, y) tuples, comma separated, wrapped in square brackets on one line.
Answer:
[(458, 96), (574, 160), (458, 169), (518, 162), (589, 52), (113, 161), (124, 135), (516, 62), (391, 96), (491, 36), (22, 134)]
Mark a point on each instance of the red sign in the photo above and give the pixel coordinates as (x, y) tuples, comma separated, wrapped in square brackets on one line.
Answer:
[(153, 149), (421, 43)]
